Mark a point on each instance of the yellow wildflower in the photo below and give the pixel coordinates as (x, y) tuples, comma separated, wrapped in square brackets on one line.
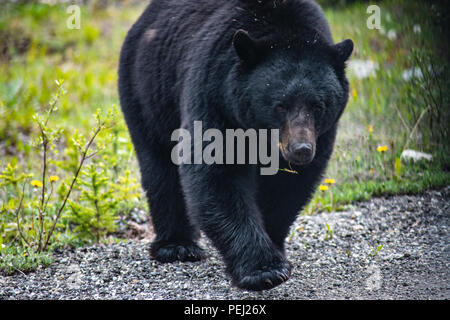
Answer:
[(355, 94), (323, 188), (370, 128), (36, 183), (382, 148), (53, 178), (330, 181)]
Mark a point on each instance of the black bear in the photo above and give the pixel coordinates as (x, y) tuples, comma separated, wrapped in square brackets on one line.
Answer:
[(232, 64)]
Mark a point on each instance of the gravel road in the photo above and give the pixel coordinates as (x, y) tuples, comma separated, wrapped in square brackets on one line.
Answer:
[(413, 262)]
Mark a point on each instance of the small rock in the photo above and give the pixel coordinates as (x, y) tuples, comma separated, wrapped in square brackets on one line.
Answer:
[(414, 155), (363, 68)]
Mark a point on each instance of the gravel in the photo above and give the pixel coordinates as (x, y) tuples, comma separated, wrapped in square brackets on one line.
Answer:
[(411, 233)]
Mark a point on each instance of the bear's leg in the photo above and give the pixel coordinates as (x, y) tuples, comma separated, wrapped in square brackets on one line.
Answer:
[(222, 200), (281, 198), (175, 235)]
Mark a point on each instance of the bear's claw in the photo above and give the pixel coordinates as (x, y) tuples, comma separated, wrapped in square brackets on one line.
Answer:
[(171, 252), (266, 278)]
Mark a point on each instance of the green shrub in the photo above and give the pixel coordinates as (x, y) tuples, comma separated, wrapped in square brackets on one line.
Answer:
[(31, 209), (94, 212)]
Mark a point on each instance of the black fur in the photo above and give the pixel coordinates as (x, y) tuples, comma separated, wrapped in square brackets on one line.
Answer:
[(178, 65)]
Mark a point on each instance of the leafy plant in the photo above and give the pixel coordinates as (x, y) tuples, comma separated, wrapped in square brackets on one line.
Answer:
[(127, 193), (376, 250), (17, 259), (94, 213), (36, 215), (428, 99), (329, 232)]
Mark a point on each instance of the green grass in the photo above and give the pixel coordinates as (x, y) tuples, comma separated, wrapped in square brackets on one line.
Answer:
[(16, 259), (36, 48), (389, 106), (86, 59)]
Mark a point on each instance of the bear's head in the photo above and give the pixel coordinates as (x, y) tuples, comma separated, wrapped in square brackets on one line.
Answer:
[(297, 87)]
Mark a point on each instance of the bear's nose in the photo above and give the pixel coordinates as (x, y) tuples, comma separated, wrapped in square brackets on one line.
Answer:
[(302, 151), (302, 148)]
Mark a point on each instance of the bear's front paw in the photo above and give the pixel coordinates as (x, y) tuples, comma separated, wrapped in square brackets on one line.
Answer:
[(176, 251), (265, 278)]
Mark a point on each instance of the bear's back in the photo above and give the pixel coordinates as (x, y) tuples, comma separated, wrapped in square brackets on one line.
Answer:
[(174, 36)]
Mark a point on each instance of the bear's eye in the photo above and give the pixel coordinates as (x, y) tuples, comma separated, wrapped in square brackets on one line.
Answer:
[(281, 108), (319, 110)]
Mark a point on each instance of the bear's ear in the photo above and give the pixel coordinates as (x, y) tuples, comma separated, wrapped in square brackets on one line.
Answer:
[(344, 49), (245, 46)]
